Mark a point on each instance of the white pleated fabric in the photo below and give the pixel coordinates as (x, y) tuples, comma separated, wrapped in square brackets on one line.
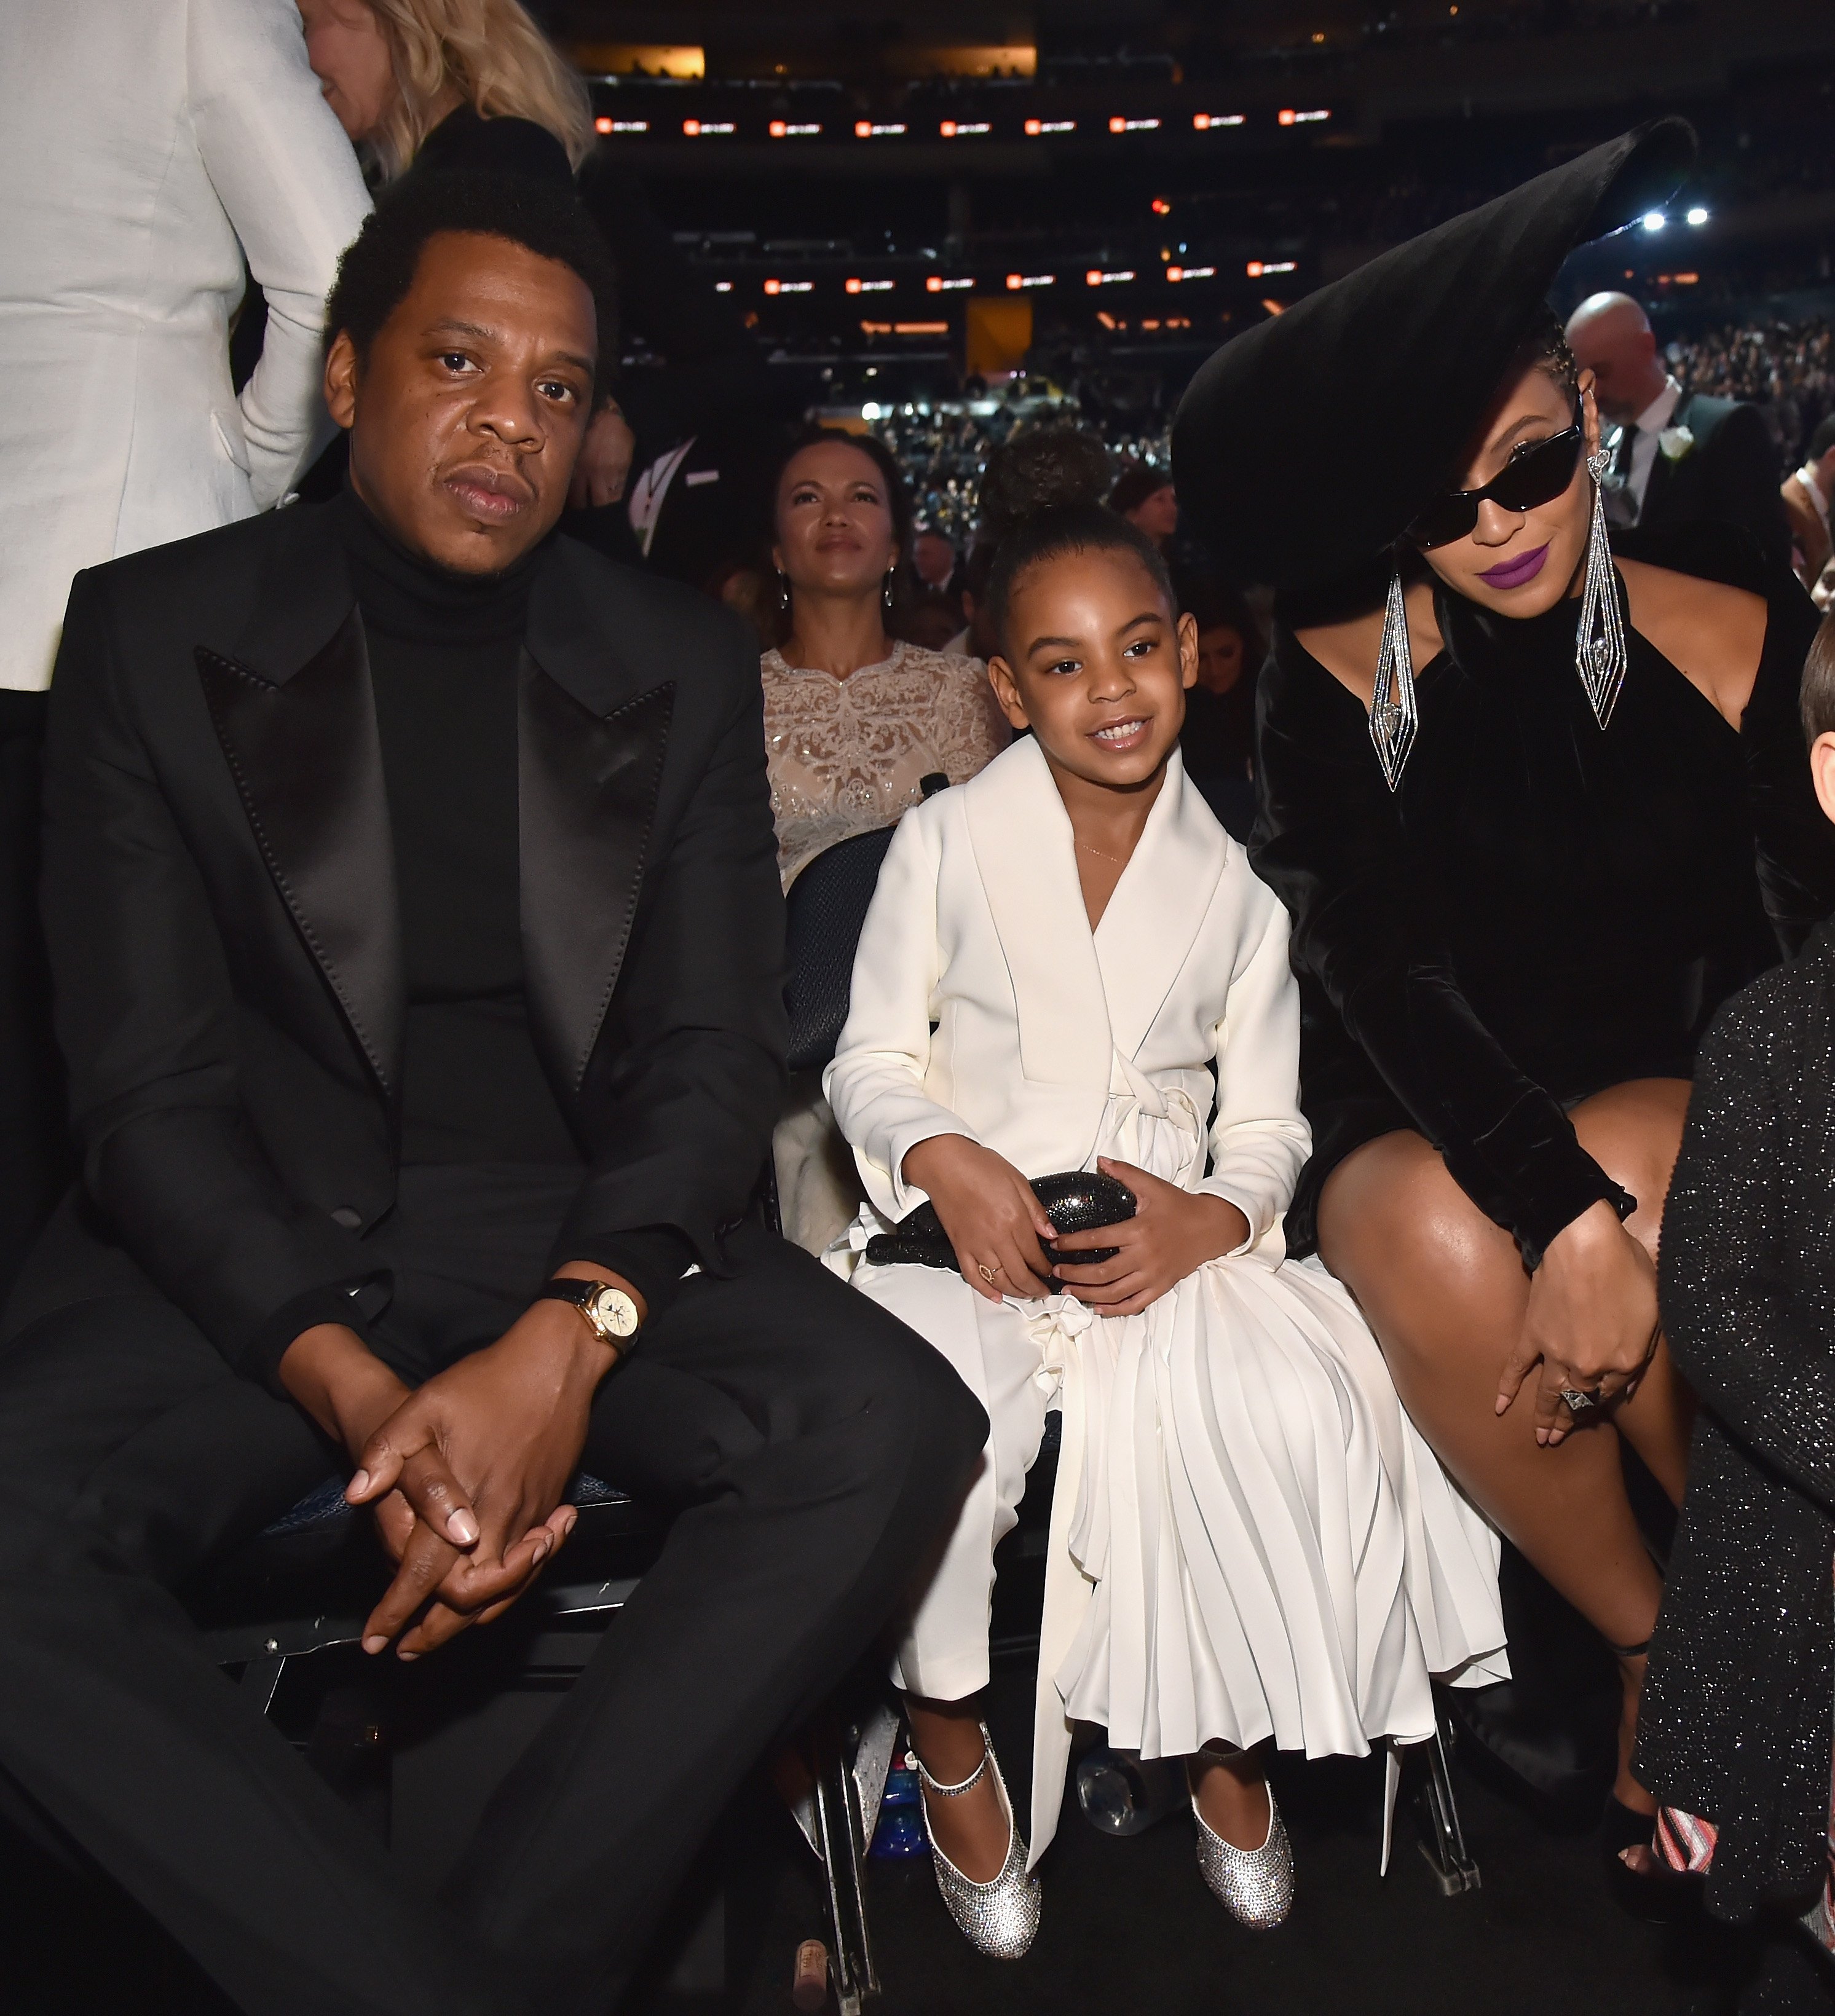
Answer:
[(1249, 1539)]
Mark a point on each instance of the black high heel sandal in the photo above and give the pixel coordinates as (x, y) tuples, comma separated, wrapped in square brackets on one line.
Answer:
[(1658, 1894)]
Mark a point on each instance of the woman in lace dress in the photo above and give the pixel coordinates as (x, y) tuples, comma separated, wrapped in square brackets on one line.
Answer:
[(855, 721)]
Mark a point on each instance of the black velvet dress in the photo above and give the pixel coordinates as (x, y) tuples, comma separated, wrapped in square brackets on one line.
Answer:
[(1543, 908)]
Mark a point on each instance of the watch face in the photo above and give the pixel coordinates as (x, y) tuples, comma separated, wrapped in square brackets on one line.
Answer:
[(616, 1310)]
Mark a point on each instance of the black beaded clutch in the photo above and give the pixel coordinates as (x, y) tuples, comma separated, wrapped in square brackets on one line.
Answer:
[(1078, 1201)]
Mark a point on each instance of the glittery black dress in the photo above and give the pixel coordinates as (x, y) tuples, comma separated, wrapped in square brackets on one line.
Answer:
[(1542, 910), (1738, 1705)]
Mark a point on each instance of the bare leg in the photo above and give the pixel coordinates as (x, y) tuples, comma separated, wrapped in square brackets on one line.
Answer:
[(1230, 1790), (1444, 1290), (971, 1829)]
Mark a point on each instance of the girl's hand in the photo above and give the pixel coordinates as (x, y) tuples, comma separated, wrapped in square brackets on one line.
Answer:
[(1592, 1320), (987, 1208), (1172, 1233)]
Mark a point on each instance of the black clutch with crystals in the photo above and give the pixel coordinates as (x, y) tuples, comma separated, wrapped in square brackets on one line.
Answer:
[(1078, 1201)]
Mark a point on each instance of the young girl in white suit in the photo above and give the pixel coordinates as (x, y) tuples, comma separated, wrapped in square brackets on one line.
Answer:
[(1249, 1543)]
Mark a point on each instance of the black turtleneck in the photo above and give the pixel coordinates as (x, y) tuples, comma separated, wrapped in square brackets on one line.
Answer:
[(444, 651)]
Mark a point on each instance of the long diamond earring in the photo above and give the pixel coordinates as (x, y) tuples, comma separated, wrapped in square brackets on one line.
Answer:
[(1599, 655), (886, 597), (783, 590), (1394, 716)]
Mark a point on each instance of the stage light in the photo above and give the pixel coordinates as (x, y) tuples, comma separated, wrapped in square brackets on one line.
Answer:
[(1257, 268), (1654, 219), (963, 129), (790, 286), (1097, 277), (1697, 217), (1162, 208), (723, 286), (870, 410), (699, 129), (869, 129), (1204, 121), (602, 125), (1191, 272), (1288, 117), (1035, 127), (1016, 281), (869, 286), (1118, 125), (622, 125), (936, 284)]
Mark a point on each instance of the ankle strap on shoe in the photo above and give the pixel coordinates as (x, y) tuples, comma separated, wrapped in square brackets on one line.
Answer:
[(1627, 1651), (968, 1785)]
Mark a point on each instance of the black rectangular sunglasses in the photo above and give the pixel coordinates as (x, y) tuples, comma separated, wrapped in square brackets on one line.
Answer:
[(1537, 475)]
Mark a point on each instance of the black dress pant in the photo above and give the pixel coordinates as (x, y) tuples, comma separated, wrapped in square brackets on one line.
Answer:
[(816, 1446)]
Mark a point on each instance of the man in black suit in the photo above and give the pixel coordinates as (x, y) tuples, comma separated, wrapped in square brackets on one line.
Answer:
[(1679, 456), (414, 911)]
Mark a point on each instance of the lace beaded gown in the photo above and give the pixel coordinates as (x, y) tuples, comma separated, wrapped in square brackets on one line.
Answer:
[(1544, 908), (847, 755)]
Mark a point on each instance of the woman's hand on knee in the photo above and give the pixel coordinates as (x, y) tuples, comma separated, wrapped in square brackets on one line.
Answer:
[(1591, 1322), (995, 1223)]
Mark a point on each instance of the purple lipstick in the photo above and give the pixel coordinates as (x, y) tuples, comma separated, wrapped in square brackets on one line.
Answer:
[(1514, 573)]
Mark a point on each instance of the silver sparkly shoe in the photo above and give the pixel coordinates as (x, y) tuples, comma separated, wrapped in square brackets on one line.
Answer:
[(1000, 1918), (1255, 1885)]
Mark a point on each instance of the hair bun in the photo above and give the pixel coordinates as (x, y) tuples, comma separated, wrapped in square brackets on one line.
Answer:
[(1045, 468)]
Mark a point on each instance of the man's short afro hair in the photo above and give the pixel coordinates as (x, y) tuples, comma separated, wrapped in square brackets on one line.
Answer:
[(379, 265)]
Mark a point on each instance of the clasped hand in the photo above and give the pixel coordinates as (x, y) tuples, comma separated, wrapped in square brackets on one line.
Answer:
[(465, 1473), (999, 1229), (1591, 1322)]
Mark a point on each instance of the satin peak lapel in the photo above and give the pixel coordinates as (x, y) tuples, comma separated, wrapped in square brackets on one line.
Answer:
[(1159, 906), (588, 796), (1025, 853), (307, 760)]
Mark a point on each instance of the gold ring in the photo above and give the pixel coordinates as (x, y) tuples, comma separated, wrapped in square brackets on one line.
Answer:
[(986, 1272)]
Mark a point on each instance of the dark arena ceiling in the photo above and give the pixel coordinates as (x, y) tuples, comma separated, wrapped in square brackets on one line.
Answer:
[(1165, 171)]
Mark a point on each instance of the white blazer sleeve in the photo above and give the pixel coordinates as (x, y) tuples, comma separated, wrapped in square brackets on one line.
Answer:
[(288, 182), (875, 1083), (1259, 1140)]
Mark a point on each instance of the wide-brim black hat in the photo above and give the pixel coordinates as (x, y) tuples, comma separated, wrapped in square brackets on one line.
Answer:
[(1305, 447)]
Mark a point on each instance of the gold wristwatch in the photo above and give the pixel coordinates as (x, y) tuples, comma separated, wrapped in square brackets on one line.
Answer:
[(610, 1311)]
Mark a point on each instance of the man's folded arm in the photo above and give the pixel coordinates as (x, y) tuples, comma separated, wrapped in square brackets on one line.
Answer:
[(147, 1019), (696, 1031)]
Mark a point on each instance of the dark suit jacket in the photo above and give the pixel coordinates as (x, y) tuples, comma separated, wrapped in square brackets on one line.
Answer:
[(219, 902), (1737, 1721), (1731, 474)]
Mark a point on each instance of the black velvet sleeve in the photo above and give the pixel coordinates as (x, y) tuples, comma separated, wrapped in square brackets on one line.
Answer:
[(1330, 843)]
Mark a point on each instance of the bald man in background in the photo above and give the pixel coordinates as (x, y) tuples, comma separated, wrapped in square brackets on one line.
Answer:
[(1680, 456)]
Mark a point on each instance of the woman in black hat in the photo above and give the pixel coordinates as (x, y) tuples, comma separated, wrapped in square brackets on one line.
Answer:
[(1538, 807)]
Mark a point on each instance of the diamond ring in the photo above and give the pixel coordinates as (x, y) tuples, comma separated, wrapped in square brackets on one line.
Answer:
[(1577, 1402)]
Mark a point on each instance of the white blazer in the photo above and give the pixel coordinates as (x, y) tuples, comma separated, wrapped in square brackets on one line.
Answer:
[(146, 146), (978, 927)]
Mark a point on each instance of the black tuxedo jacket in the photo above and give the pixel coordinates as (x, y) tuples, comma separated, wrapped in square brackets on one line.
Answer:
[(219, 900), (1731, 474)]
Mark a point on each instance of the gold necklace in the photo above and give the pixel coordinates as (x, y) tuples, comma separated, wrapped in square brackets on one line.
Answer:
[(1100, 855)]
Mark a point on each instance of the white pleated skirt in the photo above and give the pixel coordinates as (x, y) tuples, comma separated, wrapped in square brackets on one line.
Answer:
[(1249, 1539)]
